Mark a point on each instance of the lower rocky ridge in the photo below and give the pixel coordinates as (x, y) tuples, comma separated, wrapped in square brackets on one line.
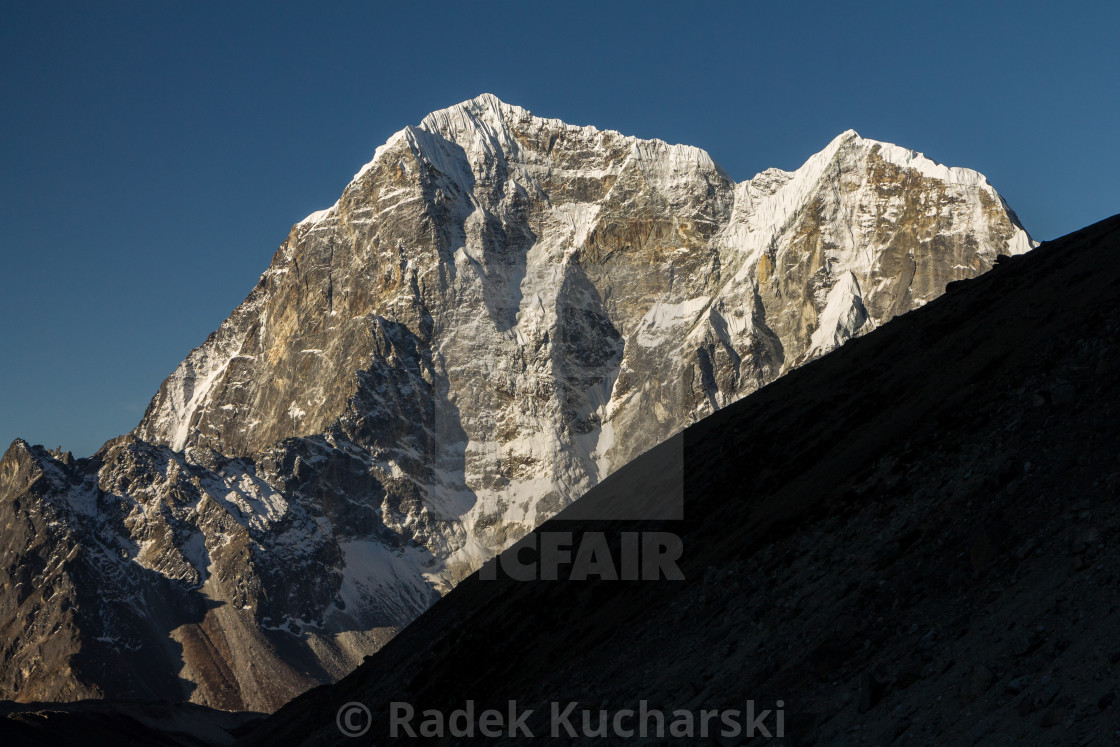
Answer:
[(144, 572), (906, 542)]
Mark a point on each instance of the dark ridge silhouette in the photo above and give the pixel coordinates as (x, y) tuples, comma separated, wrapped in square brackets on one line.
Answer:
[(119, 722), (910, 540)]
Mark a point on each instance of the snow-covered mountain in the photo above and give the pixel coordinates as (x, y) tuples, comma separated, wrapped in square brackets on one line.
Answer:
[(498, 311)]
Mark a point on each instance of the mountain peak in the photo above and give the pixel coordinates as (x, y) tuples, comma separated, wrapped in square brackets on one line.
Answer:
[(485, 107), (487, 101), (907, 158), (498, 313)]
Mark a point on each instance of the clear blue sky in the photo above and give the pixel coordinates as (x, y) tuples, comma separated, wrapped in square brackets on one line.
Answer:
[(155, 154)]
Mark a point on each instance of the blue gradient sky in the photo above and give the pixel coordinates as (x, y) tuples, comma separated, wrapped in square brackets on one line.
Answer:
[(154, 155)]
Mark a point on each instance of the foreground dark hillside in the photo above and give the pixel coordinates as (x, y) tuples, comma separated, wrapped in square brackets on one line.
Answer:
[(909, 541), (91, 723)]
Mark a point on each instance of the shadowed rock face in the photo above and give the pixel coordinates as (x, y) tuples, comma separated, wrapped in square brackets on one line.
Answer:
[(499, 311)]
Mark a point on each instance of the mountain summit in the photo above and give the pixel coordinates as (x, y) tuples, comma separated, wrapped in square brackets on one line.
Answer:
[(499, 311)]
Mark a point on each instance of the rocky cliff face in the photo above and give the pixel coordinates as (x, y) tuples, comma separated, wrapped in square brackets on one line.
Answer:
[(498, 312)]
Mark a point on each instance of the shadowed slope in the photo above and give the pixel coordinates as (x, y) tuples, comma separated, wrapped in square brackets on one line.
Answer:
[(96, 722)]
